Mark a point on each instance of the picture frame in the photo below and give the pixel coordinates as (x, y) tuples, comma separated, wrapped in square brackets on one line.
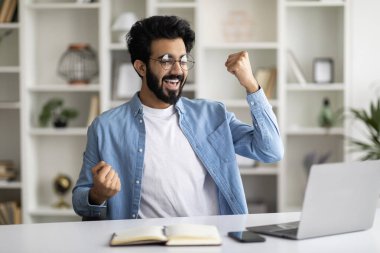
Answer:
[(323, 70)]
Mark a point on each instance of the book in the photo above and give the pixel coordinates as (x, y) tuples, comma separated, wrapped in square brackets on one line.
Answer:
[(10, 213), (94, 109), (296, 68), (11, 11), (266, 77), (173, 235), (4, 10)]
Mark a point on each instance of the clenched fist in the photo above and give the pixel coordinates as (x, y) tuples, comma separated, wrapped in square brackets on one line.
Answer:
[(239, 65), (106, 183)]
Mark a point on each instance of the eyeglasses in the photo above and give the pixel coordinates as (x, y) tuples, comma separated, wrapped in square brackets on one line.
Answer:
[(167, 61)]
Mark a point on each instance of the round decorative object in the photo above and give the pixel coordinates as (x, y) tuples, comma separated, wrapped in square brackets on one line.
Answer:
[(78, 64), (62, 184)]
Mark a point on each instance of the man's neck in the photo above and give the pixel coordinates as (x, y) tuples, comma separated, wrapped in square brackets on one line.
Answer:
[(148, 98)]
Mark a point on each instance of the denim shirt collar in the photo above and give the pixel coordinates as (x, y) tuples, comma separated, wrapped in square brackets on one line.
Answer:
[(137, 107)]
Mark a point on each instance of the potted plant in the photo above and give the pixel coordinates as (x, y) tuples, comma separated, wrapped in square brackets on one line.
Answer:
[(371, 120), (53, 109)]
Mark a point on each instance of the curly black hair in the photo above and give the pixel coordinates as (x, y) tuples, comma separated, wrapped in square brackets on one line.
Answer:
[(144, 31)]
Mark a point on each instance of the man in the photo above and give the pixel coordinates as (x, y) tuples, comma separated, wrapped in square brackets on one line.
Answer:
[(160, 155)]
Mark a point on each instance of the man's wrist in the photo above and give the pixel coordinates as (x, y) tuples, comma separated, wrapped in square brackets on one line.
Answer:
[(94, 198)]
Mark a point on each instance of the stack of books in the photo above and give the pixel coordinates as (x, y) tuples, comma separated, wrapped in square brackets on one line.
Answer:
[(8, 10), (10, 213)]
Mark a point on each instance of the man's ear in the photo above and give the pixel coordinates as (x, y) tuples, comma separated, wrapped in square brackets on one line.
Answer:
[(140, 67)]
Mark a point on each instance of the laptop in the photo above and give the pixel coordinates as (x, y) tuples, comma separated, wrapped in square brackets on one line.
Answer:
[(339, 198)]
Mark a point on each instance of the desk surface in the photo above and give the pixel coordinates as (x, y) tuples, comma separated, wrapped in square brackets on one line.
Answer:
[(94, 236)]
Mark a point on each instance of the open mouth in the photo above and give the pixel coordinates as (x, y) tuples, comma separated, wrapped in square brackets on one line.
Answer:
[(172, 84)]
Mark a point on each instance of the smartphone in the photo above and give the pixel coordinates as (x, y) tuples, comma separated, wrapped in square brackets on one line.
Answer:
[(246, 236)]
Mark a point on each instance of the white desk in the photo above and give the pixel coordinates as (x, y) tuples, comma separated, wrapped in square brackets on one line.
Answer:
[(93, 236)]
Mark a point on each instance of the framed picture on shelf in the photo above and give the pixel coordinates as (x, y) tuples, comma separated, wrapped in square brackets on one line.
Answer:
[(126, 81), (323, 70)]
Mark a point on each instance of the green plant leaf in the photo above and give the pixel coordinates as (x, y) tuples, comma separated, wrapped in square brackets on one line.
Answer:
[(371, 121)]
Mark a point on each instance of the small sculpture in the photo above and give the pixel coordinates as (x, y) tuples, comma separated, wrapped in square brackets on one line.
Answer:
[(62, 185)]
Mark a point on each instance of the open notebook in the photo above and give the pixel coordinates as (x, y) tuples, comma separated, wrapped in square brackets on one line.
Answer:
[(173, 235)]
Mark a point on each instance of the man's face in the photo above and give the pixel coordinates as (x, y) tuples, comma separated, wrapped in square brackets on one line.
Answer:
[(164, 79)]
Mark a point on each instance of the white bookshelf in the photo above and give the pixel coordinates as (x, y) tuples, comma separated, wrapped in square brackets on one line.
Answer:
[(28, 78), (10, 107), (302, 102), (48, 28)]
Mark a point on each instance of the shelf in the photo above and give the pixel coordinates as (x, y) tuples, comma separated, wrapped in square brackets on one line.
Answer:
[(246, 46), (9, 25), (63, 6), (315, 131), (176, 5), (53, 212), (71, 131), (9, 105), (315, 87), (118, 46), (264, 171), (10, 185), (315, 3), (243, 103), (9, 69), (65, 88)]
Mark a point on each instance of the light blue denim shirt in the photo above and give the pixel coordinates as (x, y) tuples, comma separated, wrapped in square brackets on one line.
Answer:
[(118, 137)]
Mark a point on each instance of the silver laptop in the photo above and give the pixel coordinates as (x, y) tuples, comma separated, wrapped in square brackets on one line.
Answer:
[(339, 198)]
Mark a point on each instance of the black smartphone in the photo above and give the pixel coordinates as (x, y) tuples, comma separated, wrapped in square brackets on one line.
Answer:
[(246, 236)]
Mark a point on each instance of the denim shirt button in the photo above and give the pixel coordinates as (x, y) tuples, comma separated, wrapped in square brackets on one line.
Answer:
[(140, 120), (140, 150), (134, 215), (252, 103), (137, 181)]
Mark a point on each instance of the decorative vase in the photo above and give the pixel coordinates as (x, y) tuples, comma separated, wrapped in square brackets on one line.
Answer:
[(78, 64), (326, 115)]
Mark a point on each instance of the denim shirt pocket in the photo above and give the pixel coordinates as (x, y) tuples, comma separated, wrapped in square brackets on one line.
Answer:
[(221, 141)]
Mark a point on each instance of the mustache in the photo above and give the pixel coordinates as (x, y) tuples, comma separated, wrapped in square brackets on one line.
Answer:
[(179, 77)]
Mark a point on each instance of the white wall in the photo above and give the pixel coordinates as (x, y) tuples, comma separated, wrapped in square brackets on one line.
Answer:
[(365, 55)]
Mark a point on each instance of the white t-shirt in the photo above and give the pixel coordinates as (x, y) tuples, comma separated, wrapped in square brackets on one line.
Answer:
[(174, 182)]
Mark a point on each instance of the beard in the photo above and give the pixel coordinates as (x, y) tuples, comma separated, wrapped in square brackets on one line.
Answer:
[(170, 96)]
